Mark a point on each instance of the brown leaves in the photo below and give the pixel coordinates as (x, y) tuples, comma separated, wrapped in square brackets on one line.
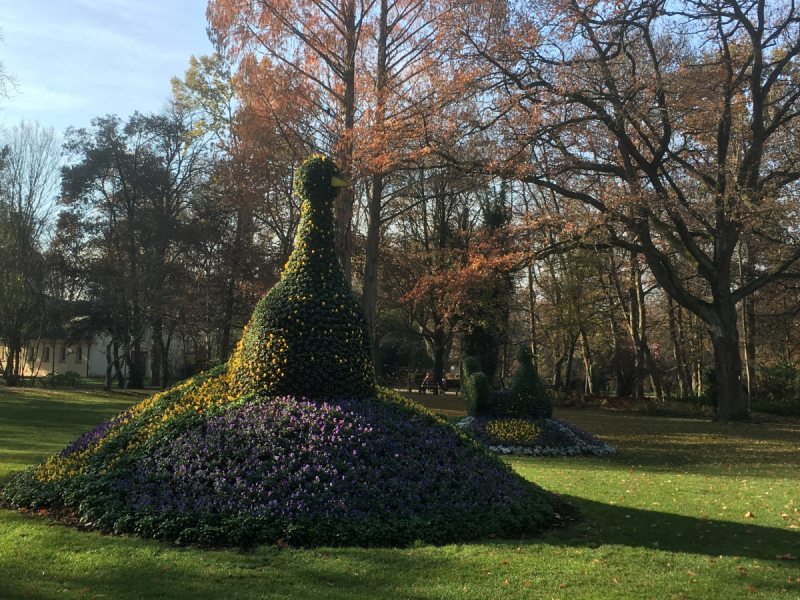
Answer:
[(749, 515)]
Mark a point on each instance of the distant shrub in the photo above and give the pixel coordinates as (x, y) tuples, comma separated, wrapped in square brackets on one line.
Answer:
[(784, 408), (70, 379), (780, 381)]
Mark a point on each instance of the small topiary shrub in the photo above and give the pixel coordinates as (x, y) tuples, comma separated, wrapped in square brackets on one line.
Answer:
[(530, 395), (308, 335), (475, 387)]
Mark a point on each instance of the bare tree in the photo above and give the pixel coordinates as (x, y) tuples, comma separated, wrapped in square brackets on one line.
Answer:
[(29, 166)]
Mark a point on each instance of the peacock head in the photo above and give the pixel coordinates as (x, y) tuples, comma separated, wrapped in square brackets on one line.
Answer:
[(318, 181)]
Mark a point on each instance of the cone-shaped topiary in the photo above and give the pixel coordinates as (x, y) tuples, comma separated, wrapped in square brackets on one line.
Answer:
[(530, 396), (308, 336)]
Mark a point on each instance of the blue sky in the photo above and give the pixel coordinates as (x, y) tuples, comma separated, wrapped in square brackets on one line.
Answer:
[(79, 59)]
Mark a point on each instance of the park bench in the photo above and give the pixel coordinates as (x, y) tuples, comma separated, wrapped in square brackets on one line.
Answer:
[(424, 386)]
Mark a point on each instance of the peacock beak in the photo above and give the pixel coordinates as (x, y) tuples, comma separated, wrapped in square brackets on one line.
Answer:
[(336, 182)]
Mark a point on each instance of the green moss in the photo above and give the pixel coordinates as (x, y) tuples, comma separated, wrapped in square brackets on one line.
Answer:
[(527, 390), (308, 336)]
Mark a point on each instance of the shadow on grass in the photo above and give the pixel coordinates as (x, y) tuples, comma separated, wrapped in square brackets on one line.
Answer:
[(656, 443), (136, 568), (37, 423), (635, 527)]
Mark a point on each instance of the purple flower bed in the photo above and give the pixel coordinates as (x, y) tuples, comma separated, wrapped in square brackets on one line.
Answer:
[(341, 472), (95, 434)]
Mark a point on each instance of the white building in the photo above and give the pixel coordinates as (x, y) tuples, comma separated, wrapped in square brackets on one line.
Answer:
[(87, 358)]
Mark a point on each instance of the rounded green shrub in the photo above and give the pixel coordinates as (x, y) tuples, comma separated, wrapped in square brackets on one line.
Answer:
[(308, 335), (475, 387), (530, 396)]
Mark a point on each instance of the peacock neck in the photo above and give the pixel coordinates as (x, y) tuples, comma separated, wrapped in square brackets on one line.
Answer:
[(314, 247)]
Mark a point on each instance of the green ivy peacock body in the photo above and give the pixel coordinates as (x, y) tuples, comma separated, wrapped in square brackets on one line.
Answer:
[(308, 335)]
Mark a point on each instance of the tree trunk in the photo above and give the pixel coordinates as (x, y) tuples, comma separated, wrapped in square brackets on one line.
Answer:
[(750, 346), (227, 317), (375, 197), (165, 362), (558, 382), (344, 203), (109, 369), (568, 370), (587, 362), (439, 346), (118, 363), (676, 337), (370, 295), (727, 362), (532, 307), (135, 366), (747, 274), (157, 344)]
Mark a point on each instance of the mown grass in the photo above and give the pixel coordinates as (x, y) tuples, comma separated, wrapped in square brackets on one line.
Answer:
[(664, 518)]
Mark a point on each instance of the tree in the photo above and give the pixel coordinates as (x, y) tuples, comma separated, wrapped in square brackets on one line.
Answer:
[(676, 123), (310, 48), (8, 83), (130, 188), (487, 323), (29, 165), (354, 79)]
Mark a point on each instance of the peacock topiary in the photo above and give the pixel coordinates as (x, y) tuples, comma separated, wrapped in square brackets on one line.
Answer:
[(308, 335), (291, 440)]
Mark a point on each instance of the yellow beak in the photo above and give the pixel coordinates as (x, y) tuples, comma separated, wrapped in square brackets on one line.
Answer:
[(336, 182)]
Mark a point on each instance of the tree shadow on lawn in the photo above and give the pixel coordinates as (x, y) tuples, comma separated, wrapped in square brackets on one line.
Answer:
[(56, 414), (37, 423), (122, 567), (655, 443), (608, 524)]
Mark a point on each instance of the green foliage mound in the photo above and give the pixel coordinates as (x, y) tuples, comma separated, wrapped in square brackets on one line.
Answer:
[(529, 395), (519, 420), (308, 336)]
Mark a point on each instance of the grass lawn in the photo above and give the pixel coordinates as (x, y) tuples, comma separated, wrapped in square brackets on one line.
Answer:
[(664, 518)]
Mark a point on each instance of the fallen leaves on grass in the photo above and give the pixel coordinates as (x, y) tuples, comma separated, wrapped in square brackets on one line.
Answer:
[(749, 515)]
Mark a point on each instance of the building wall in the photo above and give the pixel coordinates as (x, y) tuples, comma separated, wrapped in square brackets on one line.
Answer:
[(88, 359)]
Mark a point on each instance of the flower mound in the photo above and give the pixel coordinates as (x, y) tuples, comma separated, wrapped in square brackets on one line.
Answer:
[(196, 466), (292, 439), (534, 437)]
